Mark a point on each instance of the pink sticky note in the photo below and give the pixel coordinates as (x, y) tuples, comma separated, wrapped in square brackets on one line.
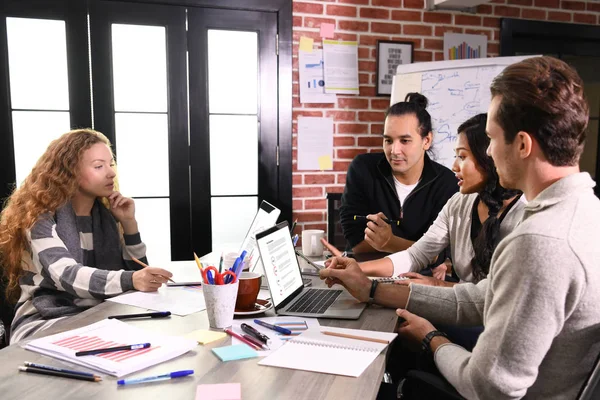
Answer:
[(219, 391), (327, 31)]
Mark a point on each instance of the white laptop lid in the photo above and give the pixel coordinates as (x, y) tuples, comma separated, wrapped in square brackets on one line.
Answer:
[(281, 267), (265, 217)]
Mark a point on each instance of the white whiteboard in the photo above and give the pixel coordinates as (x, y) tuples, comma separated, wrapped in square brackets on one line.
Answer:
[(457, 90)]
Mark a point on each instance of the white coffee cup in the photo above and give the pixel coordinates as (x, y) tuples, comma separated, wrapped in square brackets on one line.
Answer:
[(311, 242)]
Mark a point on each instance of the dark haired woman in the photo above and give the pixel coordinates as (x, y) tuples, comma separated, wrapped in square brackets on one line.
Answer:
[(402, 184), (472, 222)]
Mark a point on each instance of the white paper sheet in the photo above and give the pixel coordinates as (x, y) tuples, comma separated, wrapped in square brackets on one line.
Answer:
[(341, 66), (312, 80), (178, 300), (315, 140), (112, 333)]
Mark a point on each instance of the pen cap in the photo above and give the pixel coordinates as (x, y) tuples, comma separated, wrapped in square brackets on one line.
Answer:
[(178, 374)]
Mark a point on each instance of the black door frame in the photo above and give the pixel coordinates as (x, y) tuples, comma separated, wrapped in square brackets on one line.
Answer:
[(540, 37), (73, 12), (102, 15)]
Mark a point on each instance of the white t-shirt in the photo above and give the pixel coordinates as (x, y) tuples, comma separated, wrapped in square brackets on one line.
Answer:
[(403, 190)]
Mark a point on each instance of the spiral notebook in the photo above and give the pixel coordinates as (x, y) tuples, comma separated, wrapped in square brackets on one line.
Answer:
[(317, 352)]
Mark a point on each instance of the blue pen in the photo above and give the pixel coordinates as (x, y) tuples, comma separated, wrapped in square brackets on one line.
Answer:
[(273, 327), (233, 269), (176, 374), (210, 277), (295, 239)]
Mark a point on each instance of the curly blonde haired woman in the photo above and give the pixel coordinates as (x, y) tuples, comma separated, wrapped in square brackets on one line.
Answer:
[(67, 236)]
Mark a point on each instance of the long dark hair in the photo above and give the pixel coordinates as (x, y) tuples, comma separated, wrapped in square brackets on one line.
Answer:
[(492, 195)]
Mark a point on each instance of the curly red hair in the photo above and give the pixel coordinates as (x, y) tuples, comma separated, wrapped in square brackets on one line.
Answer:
[(53, 181)]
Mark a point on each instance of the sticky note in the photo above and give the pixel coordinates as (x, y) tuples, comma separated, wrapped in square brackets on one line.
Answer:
[(327, 31), (306, 44), (204, 336), (219, 391), (325, 162), (234, 352)]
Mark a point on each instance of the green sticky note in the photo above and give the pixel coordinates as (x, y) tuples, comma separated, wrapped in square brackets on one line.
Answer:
[(325, 162), (306, 44), (234, 352)]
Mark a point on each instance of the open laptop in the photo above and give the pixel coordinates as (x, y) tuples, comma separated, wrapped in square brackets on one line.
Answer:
[(288, 293)]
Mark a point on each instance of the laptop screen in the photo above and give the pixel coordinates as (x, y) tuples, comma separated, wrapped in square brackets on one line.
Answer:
[(280, 262)]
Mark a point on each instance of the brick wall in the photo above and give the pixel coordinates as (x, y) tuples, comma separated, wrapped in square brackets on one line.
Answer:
[(358, 120)]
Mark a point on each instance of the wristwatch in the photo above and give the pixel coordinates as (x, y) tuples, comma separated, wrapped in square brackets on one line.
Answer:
[(427, 341), (374, 284)]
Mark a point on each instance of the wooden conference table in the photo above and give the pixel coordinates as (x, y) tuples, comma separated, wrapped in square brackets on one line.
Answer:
[(257, 382)]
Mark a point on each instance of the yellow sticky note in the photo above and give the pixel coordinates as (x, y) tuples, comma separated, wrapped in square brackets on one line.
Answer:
[(325, 162), (204, 336), (306, 44)]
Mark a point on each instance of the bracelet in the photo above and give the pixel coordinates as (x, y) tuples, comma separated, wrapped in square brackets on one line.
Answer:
[(427, 340), (374, 284)]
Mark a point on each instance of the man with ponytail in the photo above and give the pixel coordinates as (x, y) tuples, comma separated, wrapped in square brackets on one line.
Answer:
[(401, 184), (539, 303)]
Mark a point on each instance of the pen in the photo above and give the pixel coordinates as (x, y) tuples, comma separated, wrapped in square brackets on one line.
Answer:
[(293, 226), (253, 332), (255, 342), (42, 371), (51, 368), (146, 266), (388, 221), (158, 314), (171, 375), (295, 239), (111, 349), (241, 338), (273, 327)]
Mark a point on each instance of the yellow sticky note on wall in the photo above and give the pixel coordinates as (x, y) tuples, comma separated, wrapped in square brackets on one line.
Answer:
[(325, 162), (204, 336), (306, 44)]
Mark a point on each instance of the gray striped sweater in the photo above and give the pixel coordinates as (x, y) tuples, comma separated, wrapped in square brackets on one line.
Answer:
[(55, 285)]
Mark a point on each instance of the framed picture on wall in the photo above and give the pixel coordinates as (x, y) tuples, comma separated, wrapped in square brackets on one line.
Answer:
[(390, 54)]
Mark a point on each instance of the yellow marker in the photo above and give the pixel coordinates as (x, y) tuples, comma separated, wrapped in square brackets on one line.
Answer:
[(198, 263)]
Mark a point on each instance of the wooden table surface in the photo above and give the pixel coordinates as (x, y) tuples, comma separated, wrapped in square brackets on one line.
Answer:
[(258, 382)]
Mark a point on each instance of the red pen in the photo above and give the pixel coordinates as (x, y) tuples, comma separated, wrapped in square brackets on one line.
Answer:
[(240, 338)]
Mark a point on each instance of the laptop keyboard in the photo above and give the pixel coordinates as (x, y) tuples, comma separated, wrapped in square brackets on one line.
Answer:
[(315, 301)]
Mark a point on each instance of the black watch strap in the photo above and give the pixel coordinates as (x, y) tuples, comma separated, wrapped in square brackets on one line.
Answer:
[(374, 284), (426, 344)]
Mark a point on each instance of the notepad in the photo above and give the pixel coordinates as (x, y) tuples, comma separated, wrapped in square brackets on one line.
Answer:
[(314, 351), (204, 336), (219, 391), (234, 352)]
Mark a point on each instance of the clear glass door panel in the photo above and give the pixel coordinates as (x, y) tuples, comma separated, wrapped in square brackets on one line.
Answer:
[(231, 218), (153, 217)]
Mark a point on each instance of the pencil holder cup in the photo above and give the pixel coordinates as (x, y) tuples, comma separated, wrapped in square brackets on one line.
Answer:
[(220, 304)]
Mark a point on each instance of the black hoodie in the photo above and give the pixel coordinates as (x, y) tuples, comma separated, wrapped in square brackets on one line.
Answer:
[(370, 189)]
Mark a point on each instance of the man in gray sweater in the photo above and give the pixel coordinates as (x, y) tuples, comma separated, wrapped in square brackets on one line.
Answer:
[(539, 305)]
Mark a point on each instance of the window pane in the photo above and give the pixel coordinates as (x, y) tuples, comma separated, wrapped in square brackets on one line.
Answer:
[(153, 217), (232, 72), (233, 154), (142, 154), (231, 218), (37, 62), (32, 133), (139, 68)]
